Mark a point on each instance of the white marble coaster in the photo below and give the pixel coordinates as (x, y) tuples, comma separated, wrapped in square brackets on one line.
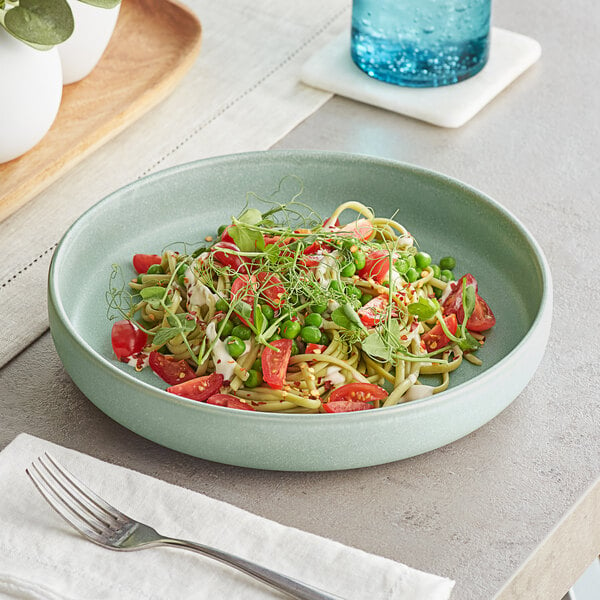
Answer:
[(332, 69)]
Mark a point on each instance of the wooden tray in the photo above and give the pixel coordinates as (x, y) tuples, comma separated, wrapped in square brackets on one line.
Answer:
[(154, 43)]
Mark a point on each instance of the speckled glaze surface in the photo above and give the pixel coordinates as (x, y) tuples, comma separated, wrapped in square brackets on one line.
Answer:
[(188, 202)]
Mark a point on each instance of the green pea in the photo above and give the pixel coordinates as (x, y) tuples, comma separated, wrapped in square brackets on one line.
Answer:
[(314, 319), (267, 311), (348, 270), (360, 259), (274, 337), (295, 349), (365, 298), (447, 275), (241, 331), (320, 307), (411, 275), (324, 339), (436, 271), (310, 334), (438, 293), (227, 328), (290, 329), (401, 265), (257, 365), (412, 262), (448, 262), (222, 305), (221, 229), (423, 260), (139, 278), (353, 292), (154, 270), (235, 346), (254, 379), (336, 286)]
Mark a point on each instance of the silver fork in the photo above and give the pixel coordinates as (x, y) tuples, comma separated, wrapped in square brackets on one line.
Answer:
[(105, 525)]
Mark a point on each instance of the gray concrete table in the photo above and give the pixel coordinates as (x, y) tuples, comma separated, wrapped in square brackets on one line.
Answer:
[(513, 510)]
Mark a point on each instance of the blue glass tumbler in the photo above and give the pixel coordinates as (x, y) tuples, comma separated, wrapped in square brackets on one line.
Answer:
[(420, 43)]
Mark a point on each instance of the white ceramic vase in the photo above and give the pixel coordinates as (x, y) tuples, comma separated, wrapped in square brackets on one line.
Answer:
[(93, 29), (30, 95)]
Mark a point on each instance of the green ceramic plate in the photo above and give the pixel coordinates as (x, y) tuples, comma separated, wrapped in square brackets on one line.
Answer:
[(188, 202)]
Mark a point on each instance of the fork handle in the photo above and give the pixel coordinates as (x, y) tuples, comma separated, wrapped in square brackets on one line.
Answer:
[(293, 587)]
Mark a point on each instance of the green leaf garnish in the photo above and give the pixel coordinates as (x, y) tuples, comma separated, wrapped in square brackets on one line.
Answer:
[(377, 347), (424, 308), (246, 239)]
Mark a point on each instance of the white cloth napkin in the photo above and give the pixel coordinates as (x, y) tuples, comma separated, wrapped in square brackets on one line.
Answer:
[(42, 557)]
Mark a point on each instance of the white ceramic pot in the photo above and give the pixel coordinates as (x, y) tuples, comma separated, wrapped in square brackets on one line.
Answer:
[(93, 29), (30, 95)]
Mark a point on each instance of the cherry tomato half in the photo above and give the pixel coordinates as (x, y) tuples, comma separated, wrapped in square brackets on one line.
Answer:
[(199, 388), (339, 406), (244, 288), (142, 262), (226, 236), (377, 266), (271, 289), (361, 229), (228, 401), (170, 370), (358, 392), (275, 362), (435, 338), (482, 317), (221, 254), (373, 311), (127, 339)]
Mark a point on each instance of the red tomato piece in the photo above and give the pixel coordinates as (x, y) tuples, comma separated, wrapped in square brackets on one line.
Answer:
[(199, 388), (127, 339), (312, 348), (228, 401), (374, 310), (361, 229), (358, 392), (339, 406), (275, 362), (226, 258), (244, 288), (142, 262), (377, 266), (271, 289), (482, 318), (435, 338), (226, 237), (170, 370)]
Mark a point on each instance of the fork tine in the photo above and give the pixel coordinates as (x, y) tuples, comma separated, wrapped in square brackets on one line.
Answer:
[(58, 505), (78, 505), (87, 496)]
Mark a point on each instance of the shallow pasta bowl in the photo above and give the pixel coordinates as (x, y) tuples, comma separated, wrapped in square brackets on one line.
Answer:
[(189, 202)]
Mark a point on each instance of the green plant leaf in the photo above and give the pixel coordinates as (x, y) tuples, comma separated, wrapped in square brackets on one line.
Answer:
[(184, 322), (164, 334), (40, 23), (469, 343), (252, 216), (246, 239), (425, 308), (375, 346), (101, 3)]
